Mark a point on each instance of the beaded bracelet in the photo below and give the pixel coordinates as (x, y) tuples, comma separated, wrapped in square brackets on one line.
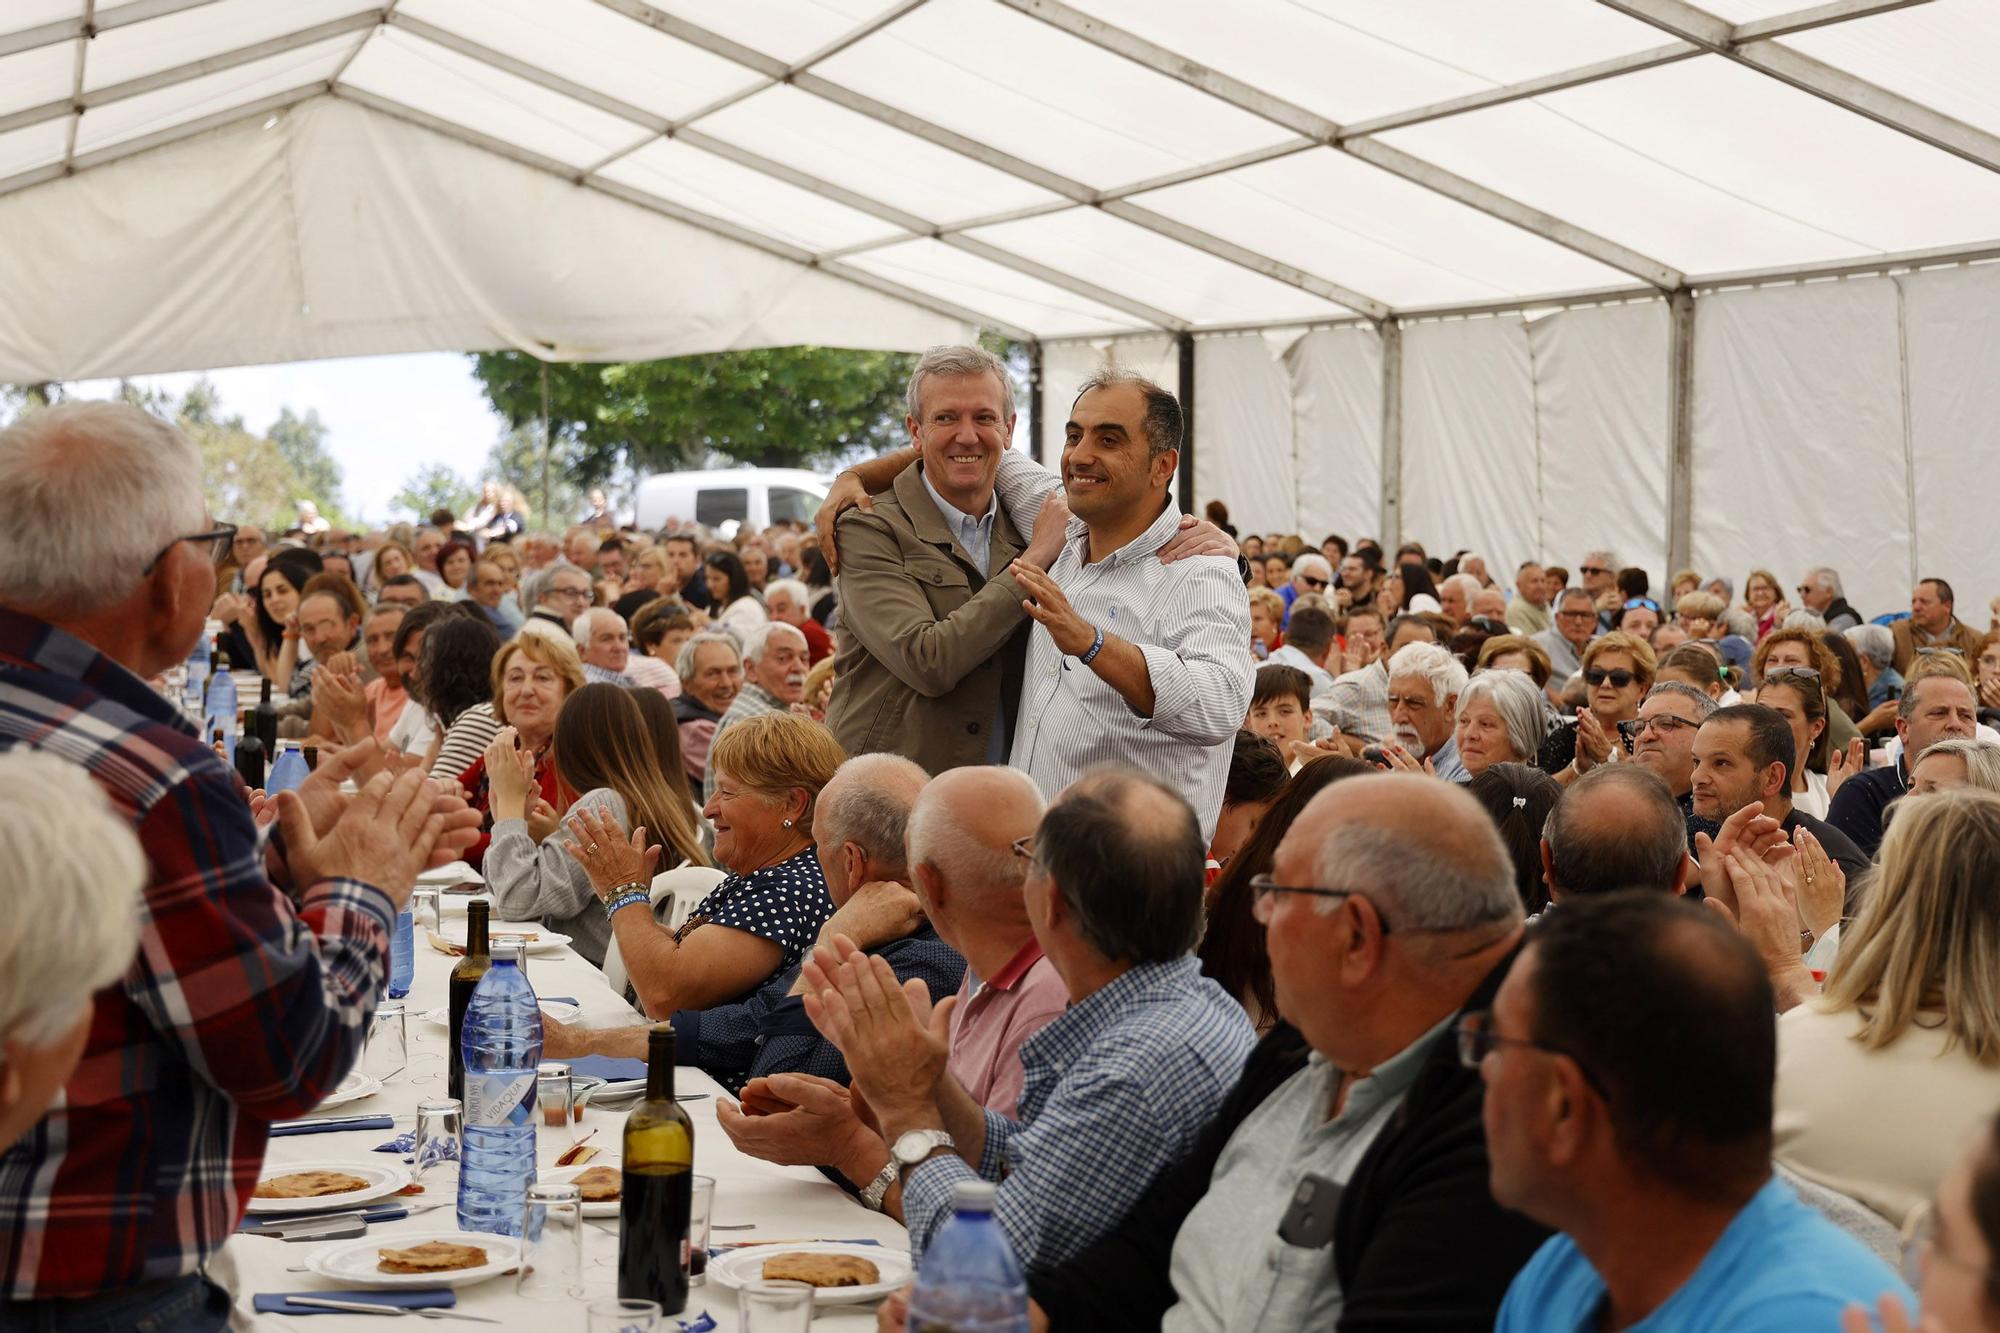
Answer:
[(623, 899)]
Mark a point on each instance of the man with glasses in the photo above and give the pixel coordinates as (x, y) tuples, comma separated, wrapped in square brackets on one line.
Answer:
[(559, 594), (1820, 592), (1344, 1183), (245, 545), (248, 1008), (1599, 572), (1310, 574), (1358, 703), (1662, 736), (1641, 1130), (1576, 625)]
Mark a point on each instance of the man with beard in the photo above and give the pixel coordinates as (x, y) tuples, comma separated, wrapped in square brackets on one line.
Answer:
[(1425, 681), (774, 678)]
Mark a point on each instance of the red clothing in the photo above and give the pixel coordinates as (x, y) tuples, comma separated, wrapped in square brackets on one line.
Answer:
[(478, 791), (819, 643), (992, 1020)]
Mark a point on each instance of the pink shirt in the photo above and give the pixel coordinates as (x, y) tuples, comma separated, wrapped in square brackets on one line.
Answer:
[(388, 706), (989, 1025)]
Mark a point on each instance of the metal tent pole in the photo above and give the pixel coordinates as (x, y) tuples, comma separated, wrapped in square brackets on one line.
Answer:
[(1680, 423), (1185, 343), (1392, 435)]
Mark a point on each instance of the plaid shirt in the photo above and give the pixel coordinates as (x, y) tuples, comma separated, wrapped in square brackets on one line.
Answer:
[(1117, 1090), (239, 1010), (1358, 703), (752, 700), (769, 1033)]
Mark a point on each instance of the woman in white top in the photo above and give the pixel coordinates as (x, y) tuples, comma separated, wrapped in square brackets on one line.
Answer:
[(454, 570), (733, 603), (1796, 693), (1884, 1076)]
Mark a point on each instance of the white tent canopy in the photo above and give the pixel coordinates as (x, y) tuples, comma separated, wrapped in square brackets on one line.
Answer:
[(188, 183)]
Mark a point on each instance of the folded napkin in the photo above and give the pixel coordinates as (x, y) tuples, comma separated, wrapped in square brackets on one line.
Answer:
[(280, 1302), (336, 1126), (610, 1068)]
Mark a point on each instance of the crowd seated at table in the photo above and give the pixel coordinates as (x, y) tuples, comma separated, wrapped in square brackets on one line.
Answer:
[(1298, 935)]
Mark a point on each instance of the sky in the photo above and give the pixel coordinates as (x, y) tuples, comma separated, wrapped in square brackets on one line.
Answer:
[(386, 416)]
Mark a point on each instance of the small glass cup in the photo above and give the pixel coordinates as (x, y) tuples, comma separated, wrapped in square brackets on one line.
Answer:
[(555, 1093), (440, 1129), (625, 1315), (425, 913), (700, 1212), (551, 1244), (775, 1307), (387, 1052)]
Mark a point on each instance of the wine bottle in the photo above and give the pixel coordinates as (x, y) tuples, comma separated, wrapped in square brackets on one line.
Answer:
[(464, 979), (266, 717), (312, 754), (657, 1189)]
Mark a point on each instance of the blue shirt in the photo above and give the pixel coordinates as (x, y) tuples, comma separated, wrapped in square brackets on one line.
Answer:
[(974, 534), (1114, 1091), (1447, 765), (1779, 1266)]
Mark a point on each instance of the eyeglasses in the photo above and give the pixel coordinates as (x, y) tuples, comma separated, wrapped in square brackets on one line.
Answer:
[(1633, 728), (1264, 893), (1477, 1040), (1024, 847), (1593, 569), (218, 539), (1576, 615), (1312, 582), (569, 592), (1619, 678)]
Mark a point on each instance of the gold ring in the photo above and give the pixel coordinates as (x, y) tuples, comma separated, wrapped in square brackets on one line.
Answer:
[(592, 850)]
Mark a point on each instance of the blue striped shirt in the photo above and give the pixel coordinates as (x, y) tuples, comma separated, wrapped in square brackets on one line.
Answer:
[(1116, 1089)]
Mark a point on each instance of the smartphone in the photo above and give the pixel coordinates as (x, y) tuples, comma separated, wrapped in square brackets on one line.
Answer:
[(1308, 1223), (1376, 755)]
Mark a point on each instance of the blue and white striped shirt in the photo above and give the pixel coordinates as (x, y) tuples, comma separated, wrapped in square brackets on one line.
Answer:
[(1114, 1091)]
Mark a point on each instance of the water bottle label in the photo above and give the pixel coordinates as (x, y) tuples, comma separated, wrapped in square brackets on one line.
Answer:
[(490, 1099)]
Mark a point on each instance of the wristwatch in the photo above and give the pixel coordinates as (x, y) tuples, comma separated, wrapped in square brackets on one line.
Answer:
[(877, 1189), (916, 1146)]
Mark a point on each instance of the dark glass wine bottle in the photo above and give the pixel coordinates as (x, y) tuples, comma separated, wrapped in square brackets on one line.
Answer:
[(464, 978), (266, 717), (657, 1191)]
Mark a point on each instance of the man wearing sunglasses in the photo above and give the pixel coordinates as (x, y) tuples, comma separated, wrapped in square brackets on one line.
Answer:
[(1311, 573), (1344, 1184), (1641, 1129), (247, 1009)]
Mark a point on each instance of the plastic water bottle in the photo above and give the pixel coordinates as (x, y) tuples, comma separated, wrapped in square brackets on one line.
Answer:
[(969, 1282), (288, 770), (502, 1046), (220, 706), (197, 672), (402, 963)]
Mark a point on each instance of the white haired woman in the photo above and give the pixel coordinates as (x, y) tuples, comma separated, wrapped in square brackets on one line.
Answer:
[(1949, 765), (69, 923), (1501, 720)]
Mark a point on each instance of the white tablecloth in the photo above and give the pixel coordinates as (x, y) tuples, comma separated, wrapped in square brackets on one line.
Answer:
[(784, 1203)]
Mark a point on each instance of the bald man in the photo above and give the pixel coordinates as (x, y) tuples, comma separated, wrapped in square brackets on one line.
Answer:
[(1319, 1198), (1617, 827), (969, 880), (859, 828)]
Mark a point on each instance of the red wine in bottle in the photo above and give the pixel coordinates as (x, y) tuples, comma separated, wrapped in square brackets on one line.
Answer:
[(464, 979), (656, 1194)]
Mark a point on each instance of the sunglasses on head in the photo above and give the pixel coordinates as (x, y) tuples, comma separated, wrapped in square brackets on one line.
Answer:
[(1619, 678), (1643, 603)]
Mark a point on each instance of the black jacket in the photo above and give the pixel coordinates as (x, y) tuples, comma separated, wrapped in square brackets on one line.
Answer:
[(1418, 1241)]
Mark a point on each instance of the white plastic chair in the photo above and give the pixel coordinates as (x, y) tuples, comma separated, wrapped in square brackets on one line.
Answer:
[(674, 895)]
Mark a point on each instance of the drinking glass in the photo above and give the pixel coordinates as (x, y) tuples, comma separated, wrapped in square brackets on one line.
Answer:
[(387, 1052), (625, 1316), (555, 1093), (775, 1307), (425, 913), (551, 1244), (440, 1126), (701, 1210)]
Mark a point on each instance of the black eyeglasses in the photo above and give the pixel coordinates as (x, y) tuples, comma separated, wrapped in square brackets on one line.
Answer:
[(1312, 582), (1264, 893), (1477, 1040), (1633, 728), (218, 539), (1619, 678), (1593, 569)]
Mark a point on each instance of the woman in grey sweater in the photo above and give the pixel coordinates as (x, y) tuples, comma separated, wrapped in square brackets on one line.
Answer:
[(603, 752)]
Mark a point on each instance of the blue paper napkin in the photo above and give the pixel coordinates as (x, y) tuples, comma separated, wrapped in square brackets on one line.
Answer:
[(610, 1068), (429, 1298), (331, 1127)]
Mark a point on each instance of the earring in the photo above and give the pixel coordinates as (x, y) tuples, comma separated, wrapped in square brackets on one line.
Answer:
[(788, 823)]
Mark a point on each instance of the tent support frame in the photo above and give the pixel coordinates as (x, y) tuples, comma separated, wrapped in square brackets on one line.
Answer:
[(1391, 525), (1680, 434), (1184, 348)]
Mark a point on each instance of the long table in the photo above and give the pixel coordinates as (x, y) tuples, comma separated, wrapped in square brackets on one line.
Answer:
[(781, 1203)]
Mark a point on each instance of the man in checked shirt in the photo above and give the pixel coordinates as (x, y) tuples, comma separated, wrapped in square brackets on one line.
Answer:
[(241, 1008)]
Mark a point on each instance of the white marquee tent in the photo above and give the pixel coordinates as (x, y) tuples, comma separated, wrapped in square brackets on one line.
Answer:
[(1702, 284)]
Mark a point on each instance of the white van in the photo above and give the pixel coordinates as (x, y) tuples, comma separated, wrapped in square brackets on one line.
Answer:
[(757, 497)]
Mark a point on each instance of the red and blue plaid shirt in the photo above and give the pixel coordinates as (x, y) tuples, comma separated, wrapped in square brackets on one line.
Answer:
[(238, 1010)]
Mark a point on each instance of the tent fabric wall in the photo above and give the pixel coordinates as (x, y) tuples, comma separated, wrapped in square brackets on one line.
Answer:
[(1799, 437), (1336, 377), (340, 231), (1243, 432), (1066, 365), (1602, 421), (1952, 318), (1469, 449)]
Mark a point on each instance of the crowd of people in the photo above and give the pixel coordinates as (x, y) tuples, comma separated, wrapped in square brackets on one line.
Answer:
[(1297, 937)]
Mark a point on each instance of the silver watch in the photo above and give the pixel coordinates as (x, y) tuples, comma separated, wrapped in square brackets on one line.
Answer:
[(878, 1189), (917, 1145)]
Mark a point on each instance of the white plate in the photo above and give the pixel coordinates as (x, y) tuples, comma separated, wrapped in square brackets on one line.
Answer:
[(458, 872), (384, 1178), (352, 1089), (733, 1268), (357, 1262), (560, 1010), (545, 941), (563, 1175)]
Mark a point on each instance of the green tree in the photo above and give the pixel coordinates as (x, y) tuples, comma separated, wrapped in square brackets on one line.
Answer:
[(301, 442), (434, 486), (770, 407), (517, 460)]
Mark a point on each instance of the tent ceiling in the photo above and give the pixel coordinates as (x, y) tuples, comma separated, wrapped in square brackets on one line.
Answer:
[(1098, 167)]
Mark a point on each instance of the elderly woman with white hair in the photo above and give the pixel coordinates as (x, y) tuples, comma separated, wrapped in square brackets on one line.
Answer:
[(1501, 720), (69, 923), (1951, 764)]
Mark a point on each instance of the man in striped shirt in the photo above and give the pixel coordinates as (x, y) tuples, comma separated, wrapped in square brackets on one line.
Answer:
[(1131, 660), (240, 1009)]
